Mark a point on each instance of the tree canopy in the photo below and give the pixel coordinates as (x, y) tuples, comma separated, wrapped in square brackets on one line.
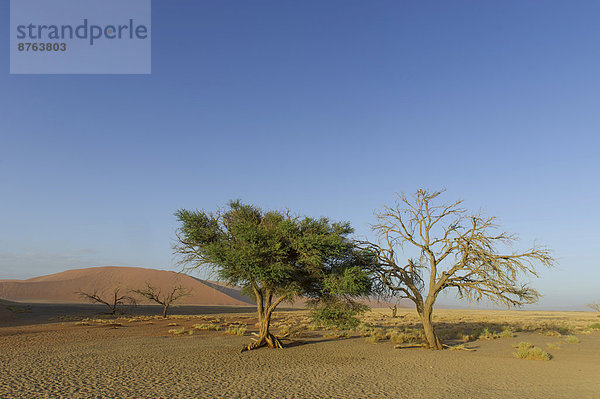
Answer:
[(274, 255), (454, 249)]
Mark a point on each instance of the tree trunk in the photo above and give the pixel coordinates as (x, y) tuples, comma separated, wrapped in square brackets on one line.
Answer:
[(265, 338), (165, 310), (395, 311), (431, 337)]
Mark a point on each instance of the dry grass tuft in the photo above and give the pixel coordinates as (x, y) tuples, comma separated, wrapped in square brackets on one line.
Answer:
[(207, 327), (372, 339), (488, 335), (177, 331), (341, 334), (293, 330), (572, 339), (526, 350), (237, 330), (406, 336), (507, 333), (375, 334)]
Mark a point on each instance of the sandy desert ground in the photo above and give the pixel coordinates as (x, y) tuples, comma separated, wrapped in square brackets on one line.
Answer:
[(77, 354)]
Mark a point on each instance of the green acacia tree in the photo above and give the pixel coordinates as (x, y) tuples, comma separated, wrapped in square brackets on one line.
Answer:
[(273, 255)]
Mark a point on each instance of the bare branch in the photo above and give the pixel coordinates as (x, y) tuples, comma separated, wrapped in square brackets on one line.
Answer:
[(154, 294), (115, 302), (457, 250)]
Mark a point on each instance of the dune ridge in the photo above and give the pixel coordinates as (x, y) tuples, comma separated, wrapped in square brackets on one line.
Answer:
[(62, 287)]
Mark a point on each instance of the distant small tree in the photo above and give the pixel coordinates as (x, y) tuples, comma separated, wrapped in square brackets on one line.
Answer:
[(115, 301), (594, 306), (165, 299), (273, 255), (455, 250)]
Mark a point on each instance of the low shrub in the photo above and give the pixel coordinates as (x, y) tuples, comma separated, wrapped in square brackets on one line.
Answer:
[(464, 337), (450, 333), (376, 337), (488, 335), (595, 326), (236, 330), (207, 327), (364, 329), (564, 330), (293, 331), (526, 350), (553, 333), (506, 334), (177, 331), (342, 334), (572, 339), (401, 337)]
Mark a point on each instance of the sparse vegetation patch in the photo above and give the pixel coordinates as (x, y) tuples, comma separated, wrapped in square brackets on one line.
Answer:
[(507, 333), (236, 330), (19, 309), (340, 334), (526, 350), (292, 331), (572, 339), (177, 331), (207, 327)]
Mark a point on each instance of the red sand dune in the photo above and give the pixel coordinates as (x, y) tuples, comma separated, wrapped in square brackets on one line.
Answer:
[(62, 287)]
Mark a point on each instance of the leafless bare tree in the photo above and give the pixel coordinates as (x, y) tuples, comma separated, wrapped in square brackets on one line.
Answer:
[(594, 306), (115, 301), (165, 299), (455, 250)]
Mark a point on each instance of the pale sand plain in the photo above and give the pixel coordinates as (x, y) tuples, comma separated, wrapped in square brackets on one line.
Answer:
[(137, 357)]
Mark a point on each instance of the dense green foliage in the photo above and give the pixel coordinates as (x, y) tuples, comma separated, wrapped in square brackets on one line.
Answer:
[(273, 250), (275, 255), (340, 314)]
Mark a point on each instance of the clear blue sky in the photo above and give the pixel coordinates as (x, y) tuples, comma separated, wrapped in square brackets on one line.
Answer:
[(324, 107)]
